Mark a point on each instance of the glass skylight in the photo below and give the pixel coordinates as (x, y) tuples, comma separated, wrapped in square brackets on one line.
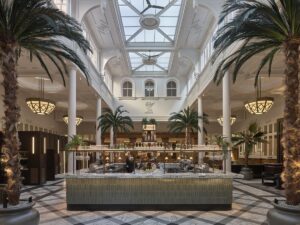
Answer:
[(145, 23), (130, 11), (150, 61)]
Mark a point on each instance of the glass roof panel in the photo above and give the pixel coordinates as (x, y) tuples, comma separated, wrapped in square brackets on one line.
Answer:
[(149, 68), (131, 12), (161, 64)]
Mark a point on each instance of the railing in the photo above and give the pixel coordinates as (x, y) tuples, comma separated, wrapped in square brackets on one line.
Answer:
[(95, 79)]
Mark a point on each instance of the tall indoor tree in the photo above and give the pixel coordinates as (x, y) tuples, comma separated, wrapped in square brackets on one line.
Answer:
[(116, 121), (37, 28), (186, 120), (270, 27)]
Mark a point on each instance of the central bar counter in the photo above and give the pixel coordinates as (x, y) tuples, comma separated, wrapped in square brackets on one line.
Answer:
[(186, 191)]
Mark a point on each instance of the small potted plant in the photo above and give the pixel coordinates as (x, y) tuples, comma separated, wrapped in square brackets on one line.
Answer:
[(250, 138)]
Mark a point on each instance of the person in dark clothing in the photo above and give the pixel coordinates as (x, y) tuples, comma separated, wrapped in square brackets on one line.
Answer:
[(129, 164)]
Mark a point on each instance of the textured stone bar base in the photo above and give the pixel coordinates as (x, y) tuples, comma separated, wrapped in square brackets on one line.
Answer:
[(176, 207)]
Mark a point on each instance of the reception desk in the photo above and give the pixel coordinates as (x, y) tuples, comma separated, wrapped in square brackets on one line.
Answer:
[(149, 191)]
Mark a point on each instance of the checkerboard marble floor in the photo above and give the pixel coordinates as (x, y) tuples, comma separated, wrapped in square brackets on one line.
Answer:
[(250, 206)]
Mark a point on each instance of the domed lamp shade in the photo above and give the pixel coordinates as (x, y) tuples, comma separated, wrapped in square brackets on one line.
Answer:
[(260, 106), (221, 120), (40, 106), (78, 119)]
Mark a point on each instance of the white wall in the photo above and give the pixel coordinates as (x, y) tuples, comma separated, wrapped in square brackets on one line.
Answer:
[(140, 107)]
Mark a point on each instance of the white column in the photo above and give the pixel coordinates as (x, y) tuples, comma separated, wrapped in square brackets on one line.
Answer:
[(226, 116), (201, 132), (111, 133), (72, 115), (111, 155), (98, 131)]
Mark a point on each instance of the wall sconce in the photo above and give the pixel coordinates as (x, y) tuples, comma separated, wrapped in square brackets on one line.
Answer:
[(58, 146), (45, 145), (33, 145)]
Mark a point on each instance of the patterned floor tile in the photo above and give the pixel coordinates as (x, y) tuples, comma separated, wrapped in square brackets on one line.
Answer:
[(250, 206)]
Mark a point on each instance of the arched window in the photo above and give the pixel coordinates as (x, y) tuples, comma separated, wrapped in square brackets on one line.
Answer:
[(171, 89), (149, 89), (127, 89)]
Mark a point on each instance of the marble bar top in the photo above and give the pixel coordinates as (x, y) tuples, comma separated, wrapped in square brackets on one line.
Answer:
[(155, 174)]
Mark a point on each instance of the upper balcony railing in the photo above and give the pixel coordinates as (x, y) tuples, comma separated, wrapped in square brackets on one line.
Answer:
[(90, 61), (206, 54)]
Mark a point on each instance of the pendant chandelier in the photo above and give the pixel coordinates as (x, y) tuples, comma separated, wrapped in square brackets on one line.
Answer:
[(261, 104), (221, 120), (41, 106), (78, 119)]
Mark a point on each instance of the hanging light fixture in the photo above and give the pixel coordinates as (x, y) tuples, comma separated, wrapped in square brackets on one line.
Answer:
[(78, 119), (221, 120), (41, 106), (261, 104)]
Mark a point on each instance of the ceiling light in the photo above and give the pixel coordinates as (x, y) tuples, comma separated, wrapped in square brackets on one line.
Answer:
[(221, 120), (149, 22), (78, 119), (40, 106), (260, 105)]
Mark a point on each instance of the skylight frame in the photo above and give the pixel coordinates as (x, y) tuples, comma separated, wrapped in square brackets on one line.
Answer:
[(168, 34)]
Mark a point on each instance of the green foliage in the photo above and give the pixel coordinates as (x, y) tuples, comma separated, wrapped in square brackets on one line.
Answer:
[(152, 121), (37, 27), (261, 26), (116, 120), (186, 119), (75, 142), (145, 121), (250, 138), (222, 143)]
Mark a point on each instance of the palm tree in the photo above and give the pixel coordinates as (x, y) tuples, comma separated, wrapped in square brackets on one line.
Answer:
[(269, 27), (187, 120), (250, 138), (38, 28), (115, 120)]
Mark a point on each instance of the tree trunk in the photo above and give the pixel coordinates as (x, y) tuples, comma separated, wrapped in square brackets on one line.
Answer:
[(291, 128), (12, 115)]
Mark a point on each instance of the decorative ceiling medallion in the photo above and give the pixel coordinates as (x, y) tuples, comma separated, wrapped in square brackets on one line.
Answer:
[(149, 22)]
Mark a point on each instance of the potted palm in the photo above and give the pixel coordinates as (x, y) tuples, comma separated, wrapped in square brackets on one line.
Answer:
[(268, 27), (186, 120), (224, 145), (249, 139), (36, 27), (116, 121)]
